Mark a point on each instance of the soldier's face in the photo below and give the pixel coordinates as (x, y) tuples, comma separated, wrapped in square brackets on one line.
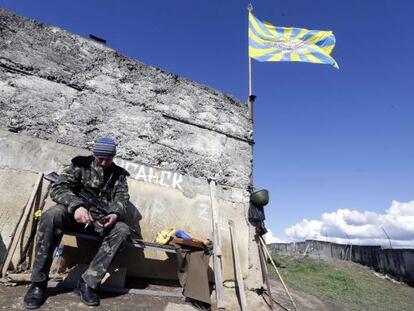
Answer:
[(103, 161)]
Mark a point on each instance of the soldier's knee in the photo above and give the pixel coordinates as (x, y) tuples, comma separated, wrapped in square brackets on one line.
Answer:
[(122, 229), (52, 214)]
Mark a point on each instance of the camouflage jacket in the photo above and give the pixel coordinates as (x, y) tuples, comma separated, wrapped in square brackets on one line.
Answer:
[(109, 185)]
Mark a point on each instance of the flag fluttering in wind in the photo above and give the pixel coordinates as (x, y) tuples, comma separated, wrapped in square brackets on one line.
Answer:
[(268, 43)]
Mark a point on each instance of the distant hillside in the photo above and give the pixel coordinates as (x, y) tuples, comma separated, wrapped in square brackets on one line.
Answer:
[(397, 263), (343, 285)]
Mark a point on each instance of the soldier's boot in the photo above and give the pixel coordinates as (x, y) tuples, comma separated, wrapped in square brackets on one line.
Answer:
[(87, 294), (36, 295)]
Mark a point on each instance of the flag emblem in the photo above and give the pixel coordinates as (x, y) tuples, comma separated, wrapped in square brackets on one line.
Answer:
[(268, 43)]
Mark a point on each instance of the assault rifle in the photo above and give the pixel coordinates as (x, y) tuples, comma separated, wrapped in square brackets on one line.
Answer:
[(88, 197)]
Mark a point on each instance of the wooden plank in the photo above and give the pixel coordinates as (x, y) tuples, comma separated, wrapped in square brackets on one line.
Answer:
[(190, 243), (264, 271), (218, 273), (277, 271), (236, 260), (17, 235), (135, 243)]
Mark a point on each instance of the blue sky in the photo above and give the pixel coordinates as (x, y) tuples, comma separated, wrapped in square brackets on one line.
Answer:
[(327, 140)]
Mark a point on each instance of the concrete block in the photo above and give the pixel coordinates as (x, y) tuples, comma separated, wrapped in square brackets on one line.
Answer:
[(15, 190)]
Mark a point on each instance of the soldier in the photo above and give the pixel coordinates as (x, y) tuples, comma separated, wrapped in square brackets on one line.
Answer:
[(108, 181)]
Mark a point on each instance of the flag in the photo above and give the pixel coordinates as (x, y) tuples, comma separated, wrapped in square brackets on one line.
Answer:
[(268, 43)]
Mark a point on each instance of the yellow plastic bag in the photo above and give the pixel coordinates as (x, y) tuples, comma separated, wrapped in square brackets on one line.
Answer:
[(165, 235)]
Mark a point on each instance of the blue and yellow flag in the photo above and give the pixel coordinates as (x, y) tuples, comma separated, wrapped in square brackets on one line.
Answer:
[(268, 43)]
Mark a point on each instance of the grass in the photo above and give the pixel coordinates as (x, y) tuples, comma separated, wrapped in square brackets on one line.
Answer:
[(347, 285)]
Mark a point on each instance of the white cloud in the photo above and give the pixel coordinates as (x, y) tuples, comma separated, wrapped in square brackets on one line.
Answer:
[(270, 238), (363, 228)]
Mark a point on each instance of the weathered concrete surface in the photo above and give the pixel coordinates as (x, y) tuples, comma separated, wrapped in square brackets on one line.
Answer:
[(15, 190), (12, 201), (26, 153), (163, 208), (61, 87), (172, 133), (159, 199), (158, 209)]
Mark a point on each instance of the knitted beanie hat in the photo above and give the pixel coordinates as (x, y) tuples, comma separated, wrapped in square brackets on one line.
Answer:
[(104, 147)]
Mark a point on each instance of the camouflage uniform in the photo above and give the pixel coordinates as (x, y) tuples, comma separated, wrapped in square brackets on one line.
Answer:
[(110, 186)]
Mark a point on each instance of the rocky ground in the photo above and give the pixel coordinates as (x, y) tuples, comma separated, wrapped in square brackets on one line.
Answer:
[(11, 298)]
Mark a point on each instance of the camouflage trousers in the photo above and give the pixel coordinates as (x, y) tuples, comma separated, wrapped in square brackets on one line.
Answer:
[(52, 224)]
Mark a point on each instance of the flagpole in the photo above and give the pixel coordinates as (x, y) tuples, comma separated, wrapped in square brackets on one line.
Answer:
[(250, 98), (250, 76)]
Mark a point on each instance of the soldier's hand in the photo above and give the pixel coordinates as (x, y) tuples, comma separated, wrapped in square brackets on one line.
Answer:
[(82, 216), (110, 220)]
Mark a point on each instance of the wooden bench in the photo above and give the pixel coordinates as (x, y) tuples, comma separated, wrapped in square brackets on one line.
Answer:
[(135, 243)]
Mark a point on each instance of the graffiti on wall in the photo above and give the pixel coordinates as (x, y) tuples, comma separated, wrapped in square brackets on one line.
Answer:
[(164, 212), (152, 175)]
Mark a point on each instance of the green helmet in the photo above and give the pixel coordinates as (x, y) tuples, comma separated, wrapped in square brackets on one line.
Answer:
[(260, 197)]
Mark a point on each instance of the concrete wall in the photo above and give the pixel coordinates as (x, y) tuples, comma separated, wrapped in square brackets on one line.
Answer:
[(172, 133), (16, 187), (61, 87), (398, 263), (59, 91), (15, 196), (159, 198)]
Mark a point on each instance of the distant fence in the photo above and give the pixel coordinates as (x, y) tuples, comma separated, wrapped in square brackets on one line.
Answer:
[(397, 263)]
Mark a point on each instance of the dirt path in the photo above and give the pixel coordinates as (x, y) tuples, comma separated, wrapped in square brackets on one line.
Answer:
[(11, 298), (303, 301)]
